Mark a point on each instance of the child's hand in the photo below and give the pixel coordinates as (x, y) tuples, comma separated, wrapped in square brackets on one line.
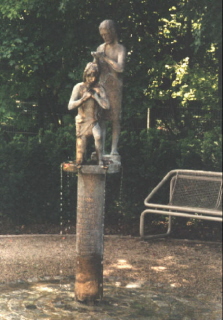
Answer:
[(86, 96), (95, 96), (97, 90)]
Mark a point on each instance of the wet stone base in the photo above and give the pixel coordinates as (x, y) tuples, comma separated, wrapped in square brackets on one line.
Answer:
[(53, 300)]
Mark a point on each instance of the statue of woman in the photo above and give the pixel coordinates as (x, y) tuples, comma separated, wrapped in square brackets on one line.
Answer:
[(110, 57)]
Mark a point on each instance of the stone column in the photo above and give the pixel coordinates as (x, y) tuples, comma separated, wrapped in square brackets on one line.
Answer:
[(90, 226), (89, 233)]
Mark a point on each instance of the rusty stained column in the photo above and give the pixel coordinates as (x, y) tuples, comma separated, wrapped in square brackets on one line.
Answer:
[(89, 233), (90, 226)]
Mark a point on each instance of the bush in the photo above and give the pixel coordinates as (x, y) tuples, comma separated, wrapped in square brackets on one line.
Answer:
[(30, 186), (30, 172)]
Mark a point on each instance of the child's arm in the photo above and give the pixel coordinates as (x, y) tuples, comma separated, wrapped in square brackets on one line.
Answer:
[(100, 96), (75, 100)]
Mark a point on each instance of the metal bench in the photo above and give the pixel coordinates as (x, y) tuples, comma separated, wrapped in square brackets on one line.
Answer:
[(192, 194)]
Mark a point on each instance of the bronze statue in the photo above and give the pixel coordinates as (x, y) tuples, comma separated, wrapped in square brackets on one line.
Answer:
[(89, 97), (110, 57)]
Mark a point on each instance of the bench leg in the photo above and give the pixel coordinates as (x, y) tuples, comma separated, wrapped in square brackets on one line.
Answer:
[(141, 228)]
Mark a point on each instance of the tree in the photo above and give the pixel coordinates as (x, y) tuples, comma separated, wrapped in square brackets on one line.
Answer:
[(173, 68)]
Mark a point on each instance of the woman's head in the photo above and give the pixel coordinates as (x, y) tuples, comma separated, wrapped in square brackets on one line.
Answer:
[(108, 31)]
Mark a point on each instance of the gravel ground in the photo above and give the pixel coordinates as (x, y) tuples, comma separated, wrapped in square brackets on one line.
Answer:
[(181, 267)]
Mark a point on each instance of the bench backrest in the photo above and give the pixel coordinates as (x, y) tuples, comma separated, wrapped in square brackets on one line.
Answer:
[(198, 191)]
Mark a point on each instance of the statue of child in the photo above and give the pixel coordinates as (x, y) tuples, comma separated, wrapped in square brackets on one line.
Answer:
[(90, 98)]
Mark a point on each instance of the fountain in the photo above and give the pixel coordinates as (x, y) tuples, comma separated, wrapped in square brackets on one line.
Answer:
[(97, 99), (46, 296)]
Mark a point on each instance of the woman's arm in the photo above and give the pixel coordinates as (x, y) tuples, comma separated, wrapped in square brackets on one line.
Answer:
[(118, 65)]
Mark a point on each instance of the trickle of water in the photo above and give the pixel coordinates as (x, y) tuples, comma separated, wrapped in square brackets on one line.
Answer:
[(61, 198), (68, 176), (121, 193), (61, 222), (65, 211), (103, 218)]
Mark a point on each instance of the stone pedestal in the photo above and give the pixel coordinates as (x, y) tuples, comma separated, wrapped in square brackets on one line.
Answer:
[(89, 233), (90, 226)]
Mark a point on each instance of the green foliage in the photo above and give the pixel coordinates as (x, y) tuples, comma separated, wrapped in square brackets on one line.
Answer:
[(30, 175), (211, 149), (173, 68)]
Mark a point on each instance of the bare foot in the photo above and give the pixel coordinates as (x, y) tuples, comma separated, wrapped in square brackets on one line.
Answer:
[(114, 153)]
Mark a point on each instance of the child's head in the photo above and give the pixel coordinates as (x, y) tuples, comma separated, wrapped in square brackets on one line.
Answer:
[(92, 70)]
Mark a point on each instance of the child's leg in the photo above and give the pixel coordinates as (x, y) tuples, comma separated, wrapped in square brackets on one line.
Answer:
[(98, 142), (103, 134), (80, 149)]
